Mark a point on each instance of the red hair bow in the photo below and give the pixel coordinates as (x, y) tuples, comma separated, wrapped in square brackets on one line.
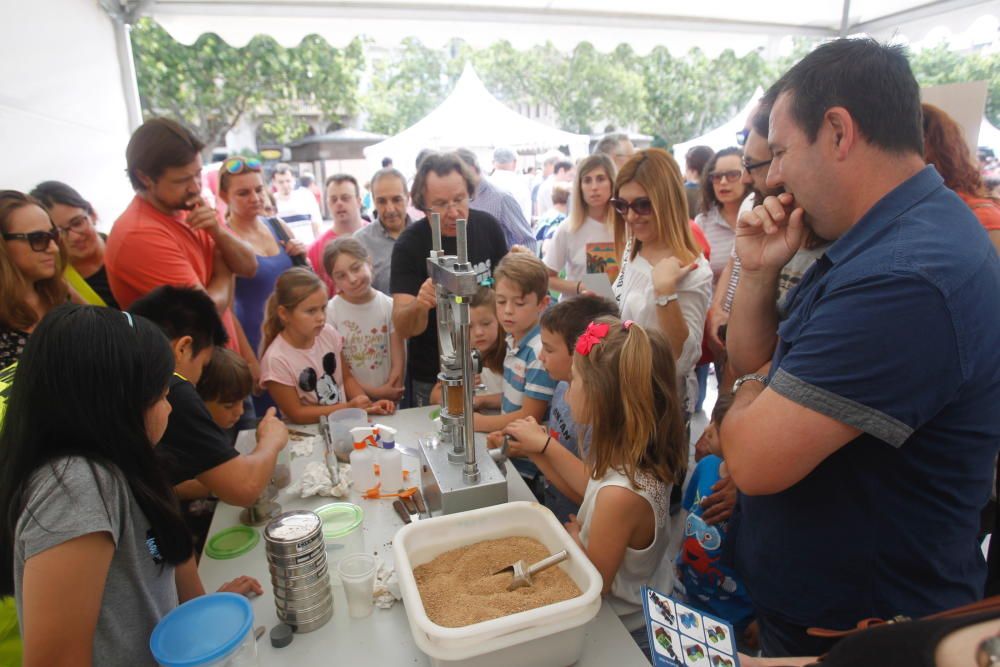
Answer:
[(593, 335)]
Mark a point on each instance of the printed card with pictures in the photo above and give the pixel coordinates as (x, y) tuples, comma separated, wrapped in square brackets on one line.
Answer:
[(680, 636)]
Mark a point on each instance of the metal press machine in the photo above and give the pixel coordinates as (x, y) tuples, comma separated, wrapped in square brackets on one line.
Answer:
[(457, 473)]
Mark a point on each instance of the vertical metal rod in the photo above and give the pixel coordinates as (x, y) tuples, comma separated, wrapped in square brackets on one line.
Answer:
[(471, 470), (436, 233), (461, 241), (845, 17)]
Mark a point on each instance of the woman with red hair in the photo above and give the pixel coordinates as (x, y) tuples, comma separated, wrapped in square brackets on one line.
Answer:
[(945, 147)]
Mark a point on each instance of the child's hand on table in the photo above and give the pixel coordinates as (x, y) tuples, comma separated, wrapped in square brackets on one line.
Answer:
[(382, 407), (242, 585), (526, 436)]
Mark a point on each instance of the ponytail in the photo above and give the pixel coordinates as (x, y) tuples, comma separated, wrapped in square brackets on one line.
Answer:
[(643, 430), (292, 288)]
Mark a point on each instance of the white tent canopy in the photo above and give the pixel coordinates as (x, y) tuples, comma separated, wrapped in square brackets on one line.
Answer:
[(472, 118), (678, 25), (724, 135)]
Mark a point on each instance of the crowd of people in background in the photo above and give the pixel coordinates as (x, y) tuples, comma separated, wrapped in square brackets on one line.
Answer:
[(835, 271)]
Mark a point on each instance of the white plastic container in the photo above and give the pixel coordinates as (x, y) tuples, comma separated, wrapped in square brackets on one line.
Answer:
[(363, 459), (550, 635), (342, 533), (390, 463)]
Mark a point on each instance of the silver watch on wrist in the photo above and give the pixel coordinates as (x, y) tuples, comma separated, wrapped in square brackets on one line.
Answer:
[(756, 377), (665, 299)]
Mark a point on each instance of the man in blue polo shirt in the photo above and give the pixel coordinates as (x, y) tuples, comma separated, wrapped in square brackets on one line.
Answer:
[(863, 435)]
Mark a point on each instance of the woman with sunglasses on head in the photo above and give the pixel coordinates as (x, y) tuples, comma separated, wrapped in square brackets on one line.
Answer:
[(586, 228), (665, 282), (242, 188), (31, 261), (76, 221)]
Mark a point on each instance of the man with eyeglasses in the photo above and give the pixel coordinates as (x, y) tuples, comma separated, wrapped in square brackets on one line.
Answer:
[(863, 431), (389, 196), (443, 185), (168, 235)]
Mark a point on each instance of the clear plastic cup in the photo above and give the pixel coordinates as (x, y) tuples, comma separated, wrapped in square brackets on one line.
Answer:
[(357, 574)]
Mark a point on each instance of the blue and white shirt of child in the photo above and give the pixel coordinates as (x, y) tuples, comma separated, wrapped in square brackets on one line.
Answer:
[(523, 372)]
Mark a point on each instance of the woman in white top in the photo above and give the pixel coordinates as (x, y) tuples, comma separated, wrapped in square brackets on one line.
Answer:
[(722, 192), (583, 242), (665, 282)]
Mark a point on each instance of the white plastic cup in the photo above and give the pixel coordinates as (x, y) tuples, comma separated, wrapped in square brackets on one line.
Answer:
[(357, 574)]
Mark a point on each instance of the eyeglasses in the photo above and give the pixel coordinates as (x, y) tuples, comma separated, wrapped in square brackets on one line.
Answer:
[(442, 207), (39, 241), (731, 175), (641, 206), (237, 165), (750, 166), (77, 225)]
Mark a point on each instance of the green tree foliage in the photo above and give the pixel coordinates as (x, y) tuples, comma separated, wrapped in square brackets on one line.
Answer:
[(210, 85), (405, 86), (939, 65)]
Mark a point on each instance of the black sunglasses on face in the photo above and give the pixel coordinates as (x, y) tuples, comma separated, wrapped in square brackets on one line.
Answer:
[(732, 176), (750, 166), (641, 206), (38, 241)]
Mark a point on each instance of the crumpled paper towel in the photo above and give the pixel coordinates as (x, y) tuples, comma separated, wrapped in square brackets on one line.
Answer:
[(315, 481), (302, 447), (386, 586)]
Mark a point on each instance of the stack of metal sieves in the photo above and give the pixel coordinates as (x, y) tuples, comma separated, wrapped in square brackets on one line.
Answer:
[(296, 558)]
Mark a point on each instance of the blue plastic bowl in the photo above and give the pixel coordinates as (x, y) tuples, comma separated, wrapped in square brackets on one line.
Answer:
[(202, 630)]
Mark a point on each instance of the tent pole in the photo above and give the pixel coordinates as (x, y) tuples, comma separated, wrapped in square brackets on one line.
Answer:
[(123, 13), (845, 18), (126, 65)]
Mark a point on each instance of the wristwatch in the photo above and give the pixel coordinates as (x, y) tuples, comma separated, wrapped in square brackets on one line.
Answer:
[(664, 300), (746, 378)]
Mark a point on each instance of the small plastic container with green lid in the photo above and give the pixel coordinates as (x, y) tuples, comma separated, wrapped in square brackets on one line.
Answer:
[(342, 532), (232, 542)]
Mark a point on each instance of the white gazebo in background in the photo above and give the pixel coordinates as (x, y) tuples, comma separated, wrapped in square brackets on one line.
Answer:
[(723, 136), (470, 117)]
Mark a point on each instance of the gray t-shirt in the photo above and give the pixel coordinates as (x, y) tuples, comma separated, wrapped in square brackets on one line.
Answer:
[(72, 497)]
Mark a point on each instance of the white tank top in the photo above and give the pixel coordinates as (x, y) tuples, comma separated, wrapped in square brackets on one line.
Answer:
[(652, 566)]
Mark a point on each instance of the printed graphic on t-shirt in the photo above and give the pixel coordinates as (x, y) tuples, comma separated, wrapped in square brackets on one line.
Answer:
[(364, 349), (601, 259), (325, 385)]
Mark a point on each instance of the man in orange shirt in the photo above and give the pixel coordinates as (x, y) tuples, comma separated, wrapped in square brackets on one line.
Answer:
[(168, 235)]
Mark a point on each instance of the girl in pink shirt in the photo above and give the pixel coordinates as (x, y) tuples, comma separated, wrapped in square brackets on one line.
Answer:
[(302, 367)]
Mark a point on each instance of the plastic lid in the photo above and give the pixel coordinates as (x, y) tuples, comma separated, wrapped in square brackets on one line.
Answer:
[(281, 635), (202, 630), (339, 519), (232, 542), (388, 444)]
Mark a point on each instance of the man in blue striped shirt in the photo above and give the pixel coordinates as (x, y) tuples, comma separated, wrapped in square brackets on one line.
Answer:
[(501, 205)]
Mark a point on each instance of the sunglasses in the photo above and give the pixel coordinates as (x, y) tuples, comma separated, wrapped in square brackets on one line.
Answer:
[(237, 165), (641, 206), (38, 241), (731, 175), (750, 166)]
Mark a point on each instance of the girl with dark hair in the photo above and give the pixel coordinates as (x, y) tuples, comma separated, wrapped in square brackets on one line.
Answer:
[(76, 221), (722, 192), (31, 261), (92, 543)]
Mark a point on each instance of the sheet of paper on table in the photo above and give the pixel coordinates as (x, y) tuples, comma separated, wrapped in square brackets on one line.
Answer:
[(680, 636)]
